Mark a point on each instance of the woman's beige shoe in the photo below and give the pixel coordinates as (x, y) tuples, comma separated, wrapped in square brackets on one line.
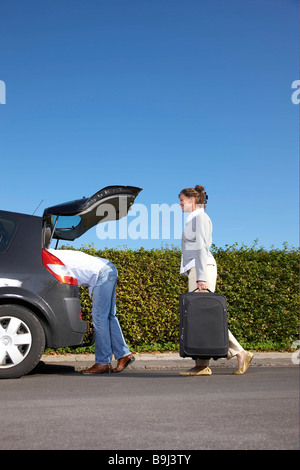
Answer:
[(248, 359), (194, 371)]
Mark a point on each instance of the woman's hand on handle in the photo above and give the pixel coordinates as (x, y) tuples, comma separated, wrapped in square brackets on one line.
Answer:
[(202, 285)]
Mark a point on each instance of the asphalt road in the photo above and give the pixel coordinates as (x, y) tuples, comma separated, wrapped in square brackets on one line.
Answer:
[(140, 409)]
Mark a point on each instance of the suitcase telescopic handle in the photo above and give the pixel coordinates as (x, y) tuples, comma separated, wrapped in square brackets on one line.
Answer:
[(201, 291)]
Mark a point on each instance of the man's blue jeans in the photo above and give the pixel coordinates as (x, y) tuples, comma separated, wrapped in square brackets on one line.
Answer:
[(109, 339)]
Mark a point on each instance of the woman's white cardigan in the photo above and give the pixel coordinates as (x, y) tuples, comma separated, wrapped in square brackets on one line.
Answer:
[(195, 243)]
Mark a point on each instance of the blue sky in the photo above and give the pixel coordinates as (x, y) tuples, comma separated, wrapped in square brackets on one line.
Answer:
[(160, 94)]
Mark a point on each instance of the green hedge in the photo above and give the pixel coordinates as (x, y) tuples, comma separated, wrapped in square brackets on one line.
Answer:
[(261, 288)]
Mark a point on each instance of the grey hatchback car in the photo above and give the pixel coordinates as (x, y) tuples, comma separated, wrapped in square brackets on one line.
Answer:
[(39, 296)]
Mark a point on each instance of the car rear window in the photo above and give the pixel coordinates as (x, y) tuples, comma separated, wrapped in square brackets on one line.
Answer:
[(8, 229)]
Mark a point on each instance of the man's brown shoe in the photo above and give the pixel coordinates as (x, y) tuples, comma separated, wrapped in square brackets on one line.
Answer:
[(123, 362), (97, 369)]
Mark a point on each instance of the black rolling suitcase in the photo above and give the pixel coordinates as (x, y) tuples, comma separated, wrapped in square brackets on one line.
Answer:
[(203, 325)]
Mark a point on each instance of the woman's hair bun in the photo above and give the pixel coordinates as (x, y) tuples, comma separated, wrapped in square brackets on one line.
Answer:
[(197, 192), (199, 188)]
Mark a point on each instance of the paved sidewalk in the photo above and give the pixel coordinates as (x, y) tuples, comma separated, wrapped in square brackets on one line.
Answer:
[(172, 360)]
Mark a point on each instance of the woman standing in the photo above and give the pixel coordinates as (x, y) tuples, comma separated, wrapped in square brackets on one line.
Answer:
[(198, 263)]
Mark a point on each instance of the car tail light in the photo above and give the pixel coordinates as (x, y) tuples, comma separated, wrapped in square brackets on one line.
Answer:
[(57, 268)]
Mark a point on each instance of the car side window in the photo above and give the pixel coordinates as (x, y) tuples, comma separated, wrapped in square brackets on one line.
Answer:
[(8, 229)]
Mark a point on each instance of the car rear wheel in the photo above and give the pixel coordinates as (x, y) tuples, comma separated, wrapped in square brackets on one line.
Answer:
[(22, 341)]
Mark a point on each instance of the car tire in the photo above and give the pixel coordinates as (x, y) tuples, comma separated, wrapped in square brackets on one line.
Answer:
[(22, 341)]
